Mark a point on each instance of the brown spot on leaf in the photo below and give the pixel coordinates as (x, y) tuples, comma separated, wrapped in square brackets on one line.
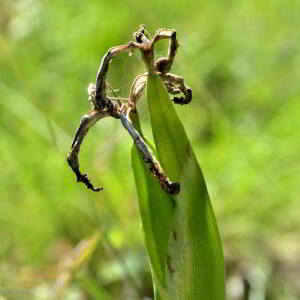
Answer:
[(169, 264)]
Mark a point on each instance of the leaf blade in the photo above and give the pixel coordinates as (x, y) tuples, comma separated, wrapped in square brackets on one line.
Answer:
[(197, 255), (156, 209)]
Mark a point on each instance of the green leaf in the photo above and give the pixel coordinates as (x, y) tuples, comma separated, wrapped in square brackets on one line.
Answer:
[(195, 253), (156, 209)]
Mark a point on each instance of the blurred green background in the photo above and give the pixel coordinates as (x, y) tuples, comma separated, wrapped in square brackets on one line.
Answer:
[(241, 58)]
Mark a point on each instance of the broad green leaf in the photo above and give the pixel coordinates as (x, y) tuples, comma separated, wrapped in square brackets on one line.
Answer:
[(195, 254), (156, 209)]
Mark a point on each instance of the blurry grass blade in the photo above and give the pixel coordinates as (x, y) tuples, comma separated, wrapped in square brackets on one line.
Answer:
[(78, 256), (195, 255), (23, 108), (82, 252)]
